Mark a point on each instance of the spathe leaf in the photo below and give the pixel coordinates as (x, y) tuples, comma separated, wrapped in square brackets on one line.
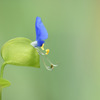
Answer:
[(20, 52)]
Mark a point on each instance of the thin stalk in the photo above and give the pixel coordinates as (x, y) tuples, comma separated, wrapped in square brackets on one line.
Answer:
[(1, 76), (2, 70), (0, 93)]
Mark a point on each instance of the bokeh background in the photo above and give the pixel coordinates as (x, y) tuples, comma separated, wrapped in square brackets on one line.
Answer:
[(74, 42)]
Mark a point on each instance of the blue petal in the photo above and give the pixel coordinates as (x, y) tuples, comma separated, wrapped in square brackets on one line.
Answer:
[(39, 43), (41, 32)]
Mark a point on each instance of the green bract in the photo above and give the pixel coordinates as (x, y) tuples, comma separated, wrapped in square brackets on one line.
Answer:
[(19, 51)]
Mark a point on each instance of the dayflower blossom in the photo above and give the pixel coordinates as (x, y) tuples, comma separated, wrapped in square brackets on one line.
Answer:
[(41, 36), (41, 33)]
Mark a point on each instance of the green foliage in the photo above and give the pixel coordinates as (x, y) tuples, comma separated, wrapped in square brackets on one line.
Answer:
[(4, 83), (19, 51)]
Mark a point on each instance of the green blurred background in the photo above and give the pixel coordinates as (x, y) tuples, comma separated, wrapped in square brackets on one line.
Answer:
[(74, 42)]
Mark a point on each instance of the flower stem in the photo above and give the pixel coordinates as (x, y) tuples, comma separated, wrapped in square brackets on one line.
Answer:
[(0, 93), (1, 76), (2, 69)]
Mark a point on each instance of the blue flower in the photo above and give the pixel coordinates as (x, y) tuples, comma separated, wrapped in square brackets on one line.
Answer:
[(41, 33), (41, 36)]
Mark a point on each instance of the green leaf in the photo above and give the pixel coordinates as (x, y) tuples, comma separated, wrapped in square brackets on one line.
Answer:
[(4, 83), (19, 51)]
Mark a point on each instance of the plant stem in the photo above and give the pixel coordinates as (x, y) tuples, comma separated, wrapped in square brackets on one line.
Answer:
[(1, 76), (2, 68), (0, 93)]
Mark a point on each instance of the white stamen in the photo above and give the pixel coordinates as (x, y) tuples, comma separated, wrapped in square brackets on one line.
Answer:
[(34, 44), (47, 67), (51, 62), (41, 53), (52, 66)]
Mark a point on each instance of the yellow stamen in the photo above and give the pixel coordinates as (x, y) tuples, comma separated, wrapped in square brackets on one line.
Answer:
[(47, 51), (42, 47)]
